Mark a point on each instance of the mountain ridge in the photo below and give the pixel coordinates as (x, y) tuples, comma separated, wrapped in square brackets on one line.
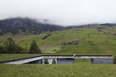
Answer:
[(26, 25)]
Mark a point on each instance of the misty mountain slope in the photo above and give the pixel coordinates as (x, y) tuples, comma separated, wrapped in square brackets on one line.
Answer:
[(25, 26), (96, 39)]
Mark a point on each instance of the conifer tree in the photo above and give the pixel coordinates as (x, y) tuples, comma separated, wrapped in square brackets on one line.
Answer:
[(19, 49), (11, 47), (1, 49), (46, 61), (114, 61), (34, 49), (53, 61)]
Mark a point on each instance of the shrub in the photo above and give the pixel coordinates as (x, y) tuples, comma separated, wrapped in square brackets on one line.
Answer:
[(53, 61), (46, 61), (114, 61)]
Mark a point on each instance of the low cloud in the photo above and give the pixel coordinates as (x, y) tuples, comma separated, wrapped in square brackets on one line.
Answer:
[(62, 12)]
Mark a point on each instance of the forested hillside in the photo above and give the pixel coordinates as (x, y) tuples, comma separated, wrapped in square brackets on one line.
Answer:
[(25, 26)]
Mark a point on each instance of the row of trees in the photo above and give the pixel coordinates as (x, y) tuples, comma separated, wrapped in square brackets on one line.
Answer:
[(9, 46)]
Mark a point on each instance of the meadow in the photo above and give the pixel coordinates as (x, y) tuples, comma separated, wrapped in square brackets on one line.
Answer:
[(77, 70)]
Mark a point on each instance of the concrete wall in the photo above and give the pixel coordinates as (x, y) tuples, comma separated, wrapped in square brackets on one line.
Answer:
[(59, 56), (49, 60), (61, 60), (77, 56), (102, 61), (65, 61), (34, 62), (93, 56), (24, 61)]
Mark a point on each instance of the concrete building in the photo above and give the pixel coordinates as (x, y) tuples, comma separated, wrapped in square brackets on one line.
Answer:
[(62, 59)]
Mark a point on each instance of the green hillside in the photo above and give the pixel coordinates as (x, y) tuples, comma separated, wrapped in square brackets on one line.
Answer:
[(84, 40)]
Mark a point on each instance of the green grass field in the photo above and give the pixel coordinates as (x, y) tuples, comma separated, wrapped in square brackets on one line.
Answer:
[(77, 70)]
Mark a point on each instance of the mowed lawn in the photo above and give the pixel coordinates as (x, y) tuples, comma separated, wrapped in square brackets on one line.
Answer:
[(4, 57), (76, 70)]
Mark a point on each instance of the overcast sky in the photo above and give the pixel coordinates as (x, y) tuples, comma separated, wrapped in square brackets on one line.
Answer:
[(62, 12)]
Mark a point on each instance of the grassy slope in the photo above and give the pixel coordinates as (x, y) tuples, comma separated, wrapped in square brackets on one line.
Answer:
[(57, 70), (98, 40)]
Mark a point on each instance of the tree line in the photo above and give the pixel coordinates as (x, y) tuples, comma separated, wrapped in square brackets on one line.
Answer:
[(10, 47)]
